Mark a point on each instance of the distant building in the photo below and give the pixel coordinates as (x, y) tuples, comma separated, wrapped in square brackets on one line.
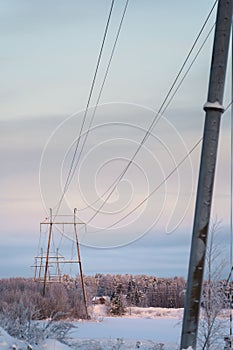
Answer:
[(104, 300)]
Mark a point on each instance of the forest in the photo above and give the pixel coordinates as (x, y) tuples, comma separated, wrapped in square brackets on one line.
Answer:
[(24, 295), (19, 294)]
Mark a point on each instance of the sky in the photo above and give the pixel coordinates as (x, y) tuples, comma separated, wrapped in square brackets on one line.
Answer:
[(48, 59)]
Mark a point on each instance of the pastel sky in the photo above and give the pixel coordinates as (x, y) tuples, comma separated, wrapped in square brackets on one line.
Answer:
[(48, 56)]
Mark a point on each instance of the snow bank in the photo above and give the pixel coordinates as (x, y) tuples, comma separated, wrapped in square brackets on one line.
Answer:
[(154, 312), (98, 311), (52, 344), (120, 343), (7, 342)]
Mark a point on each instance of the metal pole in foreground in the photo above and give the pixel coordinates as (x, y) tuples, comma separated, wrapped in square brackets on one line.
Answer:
[(214, 110)]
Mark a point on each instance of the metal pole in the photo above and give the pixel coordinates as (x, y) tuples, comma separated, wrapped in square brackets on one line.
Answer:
[(214, 110), (80, 264), (47, 254), (231, 206)]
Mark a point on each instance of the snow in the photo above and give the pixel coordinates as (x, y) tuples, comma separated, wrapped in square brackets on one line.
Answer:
[(98, 311), (7, 342), (213, 105), (154, 312), (145, 329), (130, 328), (52, 344)]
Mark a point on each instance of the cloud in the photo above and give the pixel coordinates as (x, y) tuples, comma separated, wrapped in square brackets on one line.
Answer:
[(155, 254), (48, 65)]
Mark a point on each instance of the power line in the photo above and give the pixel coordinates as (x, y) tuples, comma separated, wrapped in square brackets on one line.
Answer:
[(164, 180), (169, 101), (100, 92), (87, 106), (160, 185), (187, 58), (157, 116), (188, 70)]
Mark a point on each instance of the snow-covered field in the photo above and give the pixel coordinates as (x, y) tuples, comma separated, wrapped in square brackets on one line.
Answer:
[(150, 328), (130, 333)]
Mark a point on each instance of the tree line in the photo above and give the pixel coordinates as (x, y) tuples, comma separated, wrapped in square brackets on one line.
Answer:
[(66, 297)]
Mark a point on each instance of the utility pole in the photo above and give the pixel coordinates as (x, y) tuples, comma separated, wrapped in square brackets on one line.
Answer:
[(80, 264), (214, 110), (47, 253), (50, 261)]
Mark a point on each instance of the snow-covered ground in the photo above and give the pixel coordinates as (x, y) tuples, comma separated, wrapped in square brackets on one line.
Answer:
[(7, 342), (129, 332), (140, 328)]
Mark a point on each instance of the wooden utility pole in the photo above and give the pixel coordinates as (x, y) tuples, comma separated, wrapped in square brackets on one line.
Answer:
[(48, 261), (80, 264), (214, 110), (47, 253)]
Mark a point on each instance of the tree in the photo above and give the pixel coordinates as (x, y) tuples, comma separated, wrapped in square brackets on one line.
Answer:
[(117, 302), (18, 321), (214, 299)]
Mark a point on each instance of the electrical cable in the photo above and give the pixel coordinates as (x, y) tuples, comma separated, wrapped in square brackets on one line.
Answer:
[(156, 118), (87, 106), (159, 186), (101, 91), (167, 105), (188, 70), (164, 180)]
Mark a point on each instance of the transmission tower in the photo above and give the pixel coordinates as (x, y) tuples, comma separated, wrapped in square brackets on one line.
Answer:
[(48, 265)]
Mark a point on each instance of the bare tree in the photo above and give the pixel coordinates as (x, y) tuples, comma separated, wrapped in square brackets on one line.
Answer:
[(214, 299), (18, 322)]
